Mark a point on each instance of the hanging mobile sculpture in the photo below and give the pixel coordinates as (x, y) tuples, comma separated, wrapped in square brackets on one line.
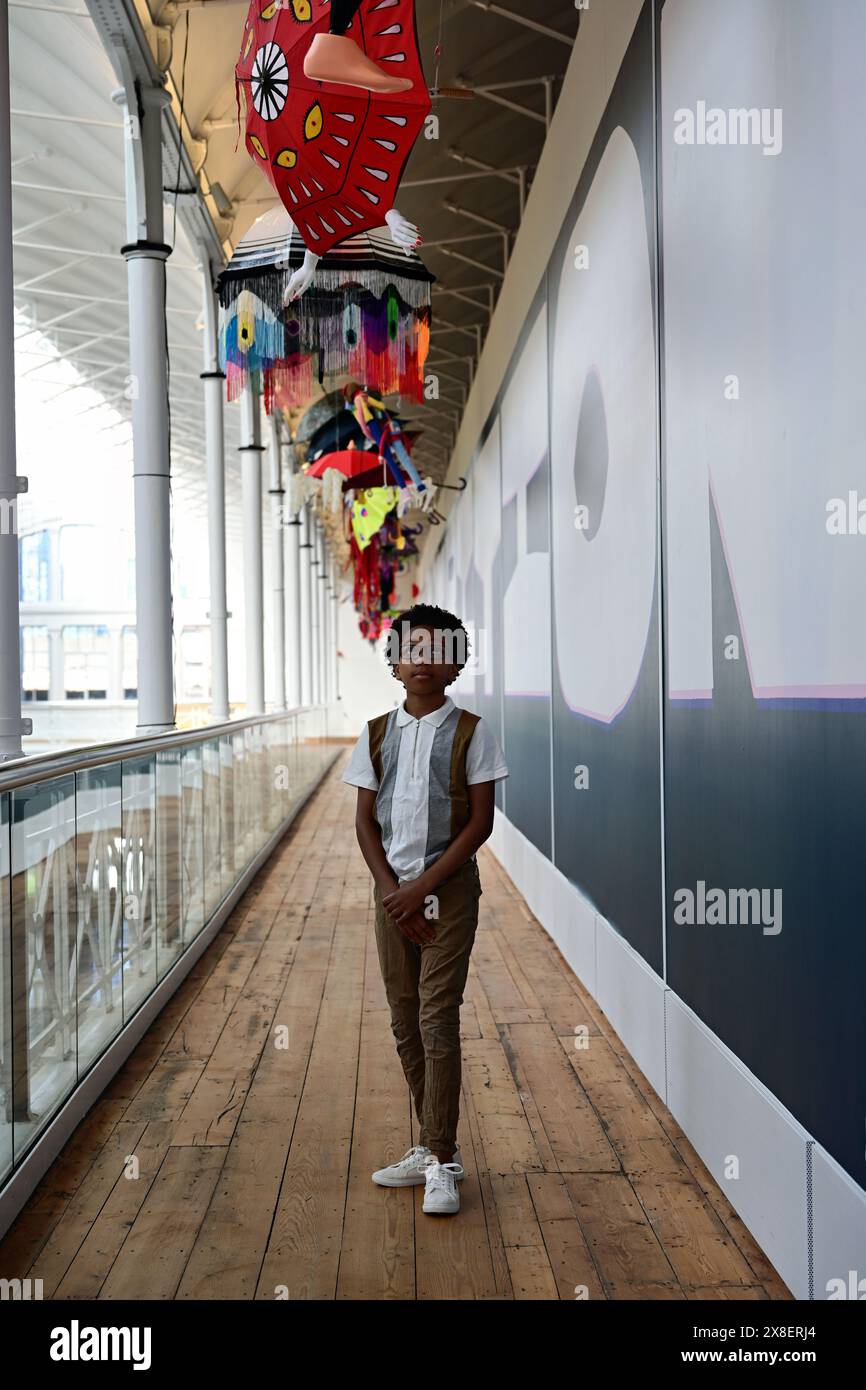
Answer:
[(334, 150), (367, 316)]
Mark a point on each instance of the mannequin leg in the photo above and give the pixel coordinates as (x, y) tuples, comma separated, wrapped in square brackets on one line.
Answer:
[(335, 57), (342, 14)]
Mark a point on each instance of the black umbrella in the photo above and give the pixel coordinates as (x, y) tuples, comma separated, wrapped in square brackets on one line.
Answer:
[(342, 431)]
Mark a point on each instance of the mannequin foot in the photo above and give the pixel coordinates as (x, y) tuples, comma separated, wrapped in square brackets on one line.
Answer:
[(337, 58)]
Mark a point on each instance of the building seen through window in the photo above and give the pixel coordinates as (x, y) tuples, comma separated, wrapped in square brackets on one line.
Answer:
[(35, 663), (130, 664), (195, 664), (86, 661)]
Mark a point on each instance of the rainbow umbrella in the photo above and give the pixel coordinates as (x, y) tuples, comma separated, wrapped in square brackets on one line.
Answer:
[(367, 315)]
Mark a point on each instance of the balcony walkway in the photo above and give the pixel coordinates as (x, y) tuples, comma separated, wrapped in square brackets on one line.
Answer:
[(254, 1160)]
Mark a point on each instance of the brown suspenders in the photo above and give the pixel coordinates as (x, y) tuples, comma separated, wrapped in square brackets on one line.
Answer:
[(377, 728), (466, 726)]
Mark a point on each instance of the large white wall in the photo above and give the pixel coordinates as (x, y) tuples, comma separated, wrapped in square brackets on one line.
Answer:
[(806, 1211)]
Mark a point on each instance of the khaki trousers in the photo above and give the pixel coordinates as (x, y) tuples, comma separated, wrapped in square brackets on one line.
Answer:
[(424, 986)]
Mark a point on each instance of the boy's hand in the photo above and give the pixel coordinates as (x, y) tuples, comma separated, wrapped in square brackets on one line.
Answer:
[(407, 900), (416, 927)]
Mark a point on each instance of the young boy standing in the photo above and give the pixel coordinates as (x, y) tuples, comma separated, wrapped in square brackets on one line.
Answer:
[(426, 774)]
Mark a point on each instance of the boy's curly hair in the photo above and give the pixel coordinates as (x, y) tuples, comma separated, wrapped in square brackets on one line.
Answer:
[(430, 616)]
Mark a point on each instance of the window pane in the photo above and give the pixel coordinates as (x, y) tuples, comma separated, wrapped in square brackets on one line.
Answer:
[(35, 663), (169, 860), (130, 663), (228, 832), (87, 662), (212, 868), (139, 891), (100, 910), (43, 954), (192, 810), (35, 553), (5, 995)]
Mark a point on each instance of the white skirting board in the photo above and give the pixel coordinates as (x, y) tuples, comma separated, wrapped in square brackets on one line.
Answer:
[(738, 1127), (838, 1230), (805, 1212)]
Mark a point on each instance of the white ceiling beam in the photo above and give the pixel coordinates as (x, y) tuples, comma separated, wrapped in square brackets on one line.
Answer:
[(43, 8), (88, 333), (41, 221), (112, 256), (88, 381), (470, 260), (511, 175), (460, 239), (544, 29), (500, 227), (64, 119), (510, 105), (98, 299), (475, 303), (59, 318), (89, 195), (47, 274)]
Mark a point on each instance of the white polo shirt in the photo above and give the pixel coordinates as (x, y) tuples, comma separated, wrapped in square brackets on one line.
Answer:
[(485, 762)]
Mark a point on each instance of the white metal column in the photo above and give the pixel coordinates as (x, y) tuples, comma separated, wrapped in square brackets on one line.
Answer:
[(292, 584), (12, 726), (326, 629), (312, 563), (335, 628), (254, 587), (306, 591), (146, 254), (324, 592), (277, 496), (213, 378), (316, 607)]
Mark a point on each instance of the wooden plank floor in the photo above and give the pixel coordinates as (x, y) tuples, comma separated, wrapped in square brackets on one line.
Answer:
[(231, 1155)]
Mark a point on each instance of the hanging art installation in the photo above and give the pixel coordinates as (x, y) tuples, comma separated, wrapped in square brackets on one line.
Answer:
[(343, 432), (367, 316), (354, 480), (335, 99)]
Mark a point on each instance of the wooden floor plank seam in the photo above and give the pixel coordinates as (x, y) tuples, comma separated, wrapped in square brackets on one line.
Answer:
[(291, 1136)]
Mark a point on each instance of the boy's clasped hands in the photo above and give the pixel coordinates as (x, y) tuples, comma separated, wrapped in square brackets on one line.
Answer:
[(405, 904)]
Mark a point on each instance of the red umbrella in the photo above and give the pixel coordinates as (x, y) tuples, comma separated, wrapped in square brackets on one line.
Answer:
[(335, 154), (348, 461)]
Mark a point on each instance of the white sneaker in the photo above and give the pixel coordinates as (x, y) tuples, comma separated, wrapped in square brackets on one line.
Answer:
[(411, 1169), (441, 1197)]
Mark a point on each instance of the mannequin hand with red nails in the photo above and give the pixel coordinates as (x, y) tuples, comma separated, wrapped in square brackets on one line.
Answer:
[(404, 234), (302, 279)]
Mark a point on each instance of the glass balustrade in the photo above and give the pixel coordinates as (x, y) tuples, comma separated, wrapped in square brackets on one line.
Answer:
[(109, 871), (5, 995)]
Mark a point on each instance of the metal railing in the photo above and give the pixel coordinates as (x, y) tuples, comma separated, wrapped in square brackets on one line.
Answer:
[(113, 860)]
